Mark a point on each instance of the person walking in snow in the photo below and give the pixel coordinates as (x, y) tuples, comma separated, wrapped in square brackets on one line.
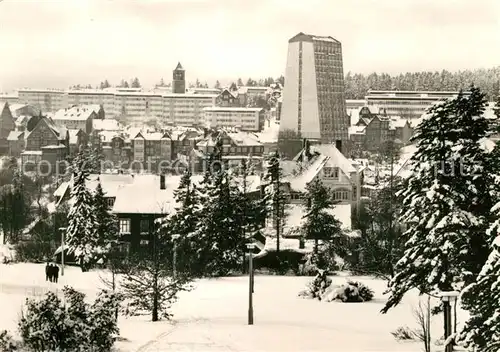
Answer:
[(56, 273), (47, 271), (51, 272)]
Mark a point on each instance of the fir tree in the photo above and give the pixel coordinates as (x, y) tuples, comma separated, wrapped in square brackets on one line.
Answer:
[(481, 298), (277, 198), (482, 301), (184, 222), (81, 234), (319, 223), (217, 85), (218, 235), (106, 221), (445, 203), (149, 286), (134, 83)]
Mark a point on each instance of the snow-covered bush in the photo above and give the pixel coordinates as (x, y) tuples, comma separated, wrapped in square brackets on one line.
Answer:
[(50, 325), (352, 291), (317, 287)]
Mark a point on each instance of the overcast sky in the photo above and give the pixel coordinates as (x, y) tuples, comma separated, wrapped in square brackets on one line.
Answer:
[(50, 43)]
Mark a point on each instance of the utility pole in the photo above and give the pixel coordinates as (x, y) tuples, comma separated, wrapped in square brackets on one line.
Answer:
[(63, 231), (250, 247), (174, 260), (447, 297)]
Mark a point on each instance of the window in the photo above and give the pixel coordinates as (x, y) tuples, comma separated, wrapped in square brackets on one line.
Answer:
[(331, 172), (144, 242), (111, 201), (123, 247), (144, 225), (124, 225), (341, 194)]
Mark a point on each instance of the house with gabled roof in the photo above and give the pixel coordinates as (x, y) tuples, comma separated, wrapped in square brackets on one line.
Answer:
[(77, 117), (150, 149), (15, 141), (45, 142), (231, 98), (326, 163), (7, 124)]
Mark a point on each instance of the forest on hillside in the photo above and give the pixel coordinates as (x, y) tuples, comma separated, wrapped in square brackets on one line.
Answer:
[(488, 80)]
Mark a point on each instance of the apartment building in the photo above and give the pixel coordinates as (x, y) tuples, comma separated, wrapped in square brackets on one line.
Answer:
[(407, 104), (313, 96), (101, 97), (245, 119), (186, 109), (47, 100), (203, 90), (138, 107), (11, 98)]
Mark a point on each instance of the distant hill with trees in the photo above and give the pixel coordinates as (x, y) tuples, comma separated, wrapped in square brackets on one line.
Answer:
[(488, 80)]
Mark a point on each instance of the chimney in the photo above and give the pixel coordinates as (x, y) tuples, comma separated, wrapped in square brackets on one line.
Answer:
[(338, 145), (162, 181)]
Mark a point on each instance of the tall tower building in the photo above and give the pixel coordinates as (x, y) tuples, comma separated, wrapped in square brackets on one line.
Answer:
[(313, 96), (179, 80)]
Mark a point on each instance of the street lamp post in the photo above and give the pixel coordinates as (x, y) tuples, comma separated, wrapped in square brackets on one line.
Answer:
[(174, 260), (250, 247), (63, 231), (447, 297)]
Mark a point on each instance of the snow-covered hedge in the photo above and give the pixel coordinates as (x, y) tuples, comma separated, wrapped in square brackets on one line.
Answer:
[(321, 288)]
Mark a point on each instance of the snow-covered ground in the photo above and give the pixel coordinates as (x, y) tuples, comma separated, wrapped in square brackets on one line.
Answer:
[(213, 317)]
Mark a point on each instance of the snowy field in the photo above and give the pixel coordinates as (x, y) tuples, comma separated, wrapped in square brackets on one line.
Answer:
[(213, 316)]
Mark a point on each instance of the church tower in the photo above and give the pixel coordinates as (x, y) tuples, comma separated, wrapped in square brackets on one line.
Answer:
[(179, 80)]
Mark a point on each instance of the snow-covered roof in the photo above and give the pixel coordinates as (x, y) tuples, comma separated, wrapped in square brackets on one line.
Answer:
[(32, 152), (15, 107), (73, 135), (15, 135), (231, 109), (54, 146), (106, 125), (107, 136), (336, 158), (357, 130), (144, 196), (76, 113), (239, 138), (270, 132), (397, 122), (299, 182), (110, 184)]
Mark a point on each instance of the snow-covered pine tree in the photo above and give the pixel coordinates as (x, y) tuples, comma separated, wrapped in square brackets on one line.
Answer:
[(278, 200), (107, 228), (442, 204), (319, 224), (482, 298), (184, 222), (218, 234), (250, 212), (482, 301), (81, 234)]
